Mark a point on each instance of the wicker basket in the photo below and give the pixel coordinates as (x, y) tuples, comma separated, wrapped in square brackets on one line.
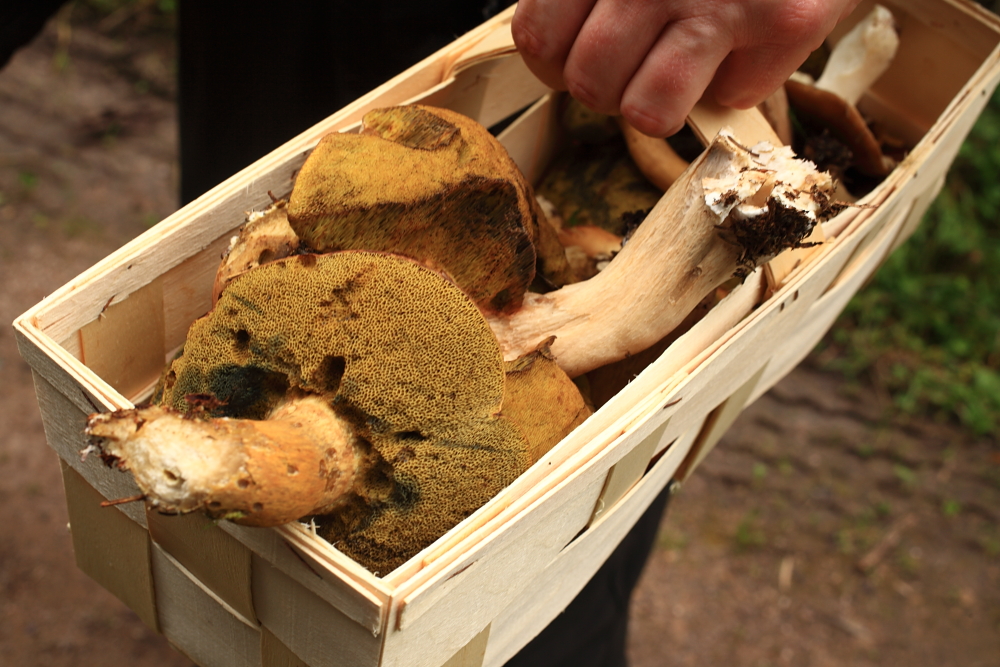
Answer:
[(226, 595)]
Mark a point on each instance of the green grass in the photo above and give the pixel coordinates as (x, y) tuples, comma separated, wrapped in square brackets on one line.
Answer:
[(927, 328)]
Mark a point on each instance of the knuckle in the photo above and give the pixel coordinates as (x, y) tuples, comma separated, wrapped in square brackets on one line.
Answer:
[(804, 21), (527, 38), (650, 121), (588, 93)]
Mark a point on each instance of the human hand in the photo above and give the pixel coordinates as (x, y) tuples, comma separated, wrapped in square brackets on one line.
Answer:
[(652, 60)]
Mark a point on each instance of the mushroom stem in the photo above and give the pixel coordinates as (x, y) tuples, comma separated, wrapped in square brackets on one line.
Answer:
[(861, 56), (734, 209), (299, 461), (653, 156)]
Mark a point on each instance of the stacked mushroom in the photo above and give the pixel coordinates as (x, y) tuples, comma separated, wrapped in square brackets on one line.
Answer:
[(396, 394)]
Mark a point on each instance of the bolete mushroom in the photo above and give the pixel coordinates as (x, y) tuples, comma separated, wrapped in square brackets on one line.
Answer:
[(733, 209), (403, 384), (434, 185), (855, 63)]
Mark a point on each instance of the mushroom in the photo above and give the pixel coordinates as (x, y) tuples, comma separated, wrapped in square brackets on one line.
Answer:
[(733, 209), (855, 63), (301, 460), (434, 185), (264, 237), (425, 385), (396, 428)]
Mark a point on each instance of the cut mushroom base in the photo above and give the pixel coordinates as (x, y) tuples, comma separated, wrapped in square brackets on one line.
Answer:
[(301, 460)]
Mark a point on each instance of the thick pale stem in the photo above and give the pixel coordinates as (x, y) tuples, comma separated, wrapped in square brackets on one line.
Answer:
[(675, 258), (861, 56), (654, 157), (299, 461)]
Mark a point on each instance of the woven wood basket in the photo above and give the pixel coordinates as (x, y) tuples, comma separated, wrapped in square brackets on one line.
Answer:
[(226, 595)]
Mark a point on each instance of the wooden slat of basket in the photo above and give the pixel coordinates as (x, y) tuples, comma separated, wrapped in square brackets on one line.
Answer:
[(217, 560), (110, 548), (308, 625), (357, 601), (273, 653), (531, 140), (204, 628), (64, 423), (125, 344), (473, 653), (555, 587), (625, 474), (716, 424)]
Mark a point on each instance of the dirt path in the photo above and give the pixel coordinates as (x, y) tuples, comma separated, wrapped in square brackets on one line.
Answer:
[(758, 561)]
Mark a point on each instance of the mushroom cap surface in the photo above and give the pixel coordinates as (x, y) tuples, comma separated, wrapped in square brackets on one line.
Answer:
[(433, 185), (401, 353), (826, 109)]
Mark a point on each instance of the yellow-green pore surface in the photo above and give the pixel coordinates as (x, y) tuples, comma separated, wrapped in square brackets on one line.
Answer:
[(401, 353)]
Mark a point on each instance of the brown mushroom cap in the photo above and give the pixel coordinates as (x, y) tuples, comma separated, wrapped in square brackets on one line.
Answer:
[(845, 122), (433, 185), (401, 354)]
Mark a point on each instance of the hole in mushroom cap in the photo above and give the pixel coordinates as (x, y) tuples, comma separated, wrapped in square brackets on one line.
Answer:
[(242, 340), (215, 504), (243, 483), (265, 256), (171, 475), (411, 435), (331, 373), (292, 470), (257, 507)]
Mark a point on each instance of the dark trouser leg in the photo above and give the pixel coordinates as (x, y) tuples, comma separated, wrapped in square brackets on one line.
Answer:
[(254, 73)]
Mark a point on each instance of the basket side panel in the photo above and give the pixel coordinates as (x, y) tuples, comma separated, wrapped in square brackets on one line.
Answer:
[(197, 623), (556, 586), (125, 344), (110, 548), (275, 654), (217, 560), (311, 628), (64, 422)]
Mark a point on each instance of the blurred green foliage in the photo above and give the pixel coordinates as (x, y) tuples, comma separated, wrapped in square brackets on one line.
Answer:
[(927, 328)]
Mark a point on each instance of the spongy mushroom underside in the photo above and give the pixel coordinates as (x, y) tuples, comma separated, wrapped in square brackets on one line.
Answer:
[(401, 354)]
